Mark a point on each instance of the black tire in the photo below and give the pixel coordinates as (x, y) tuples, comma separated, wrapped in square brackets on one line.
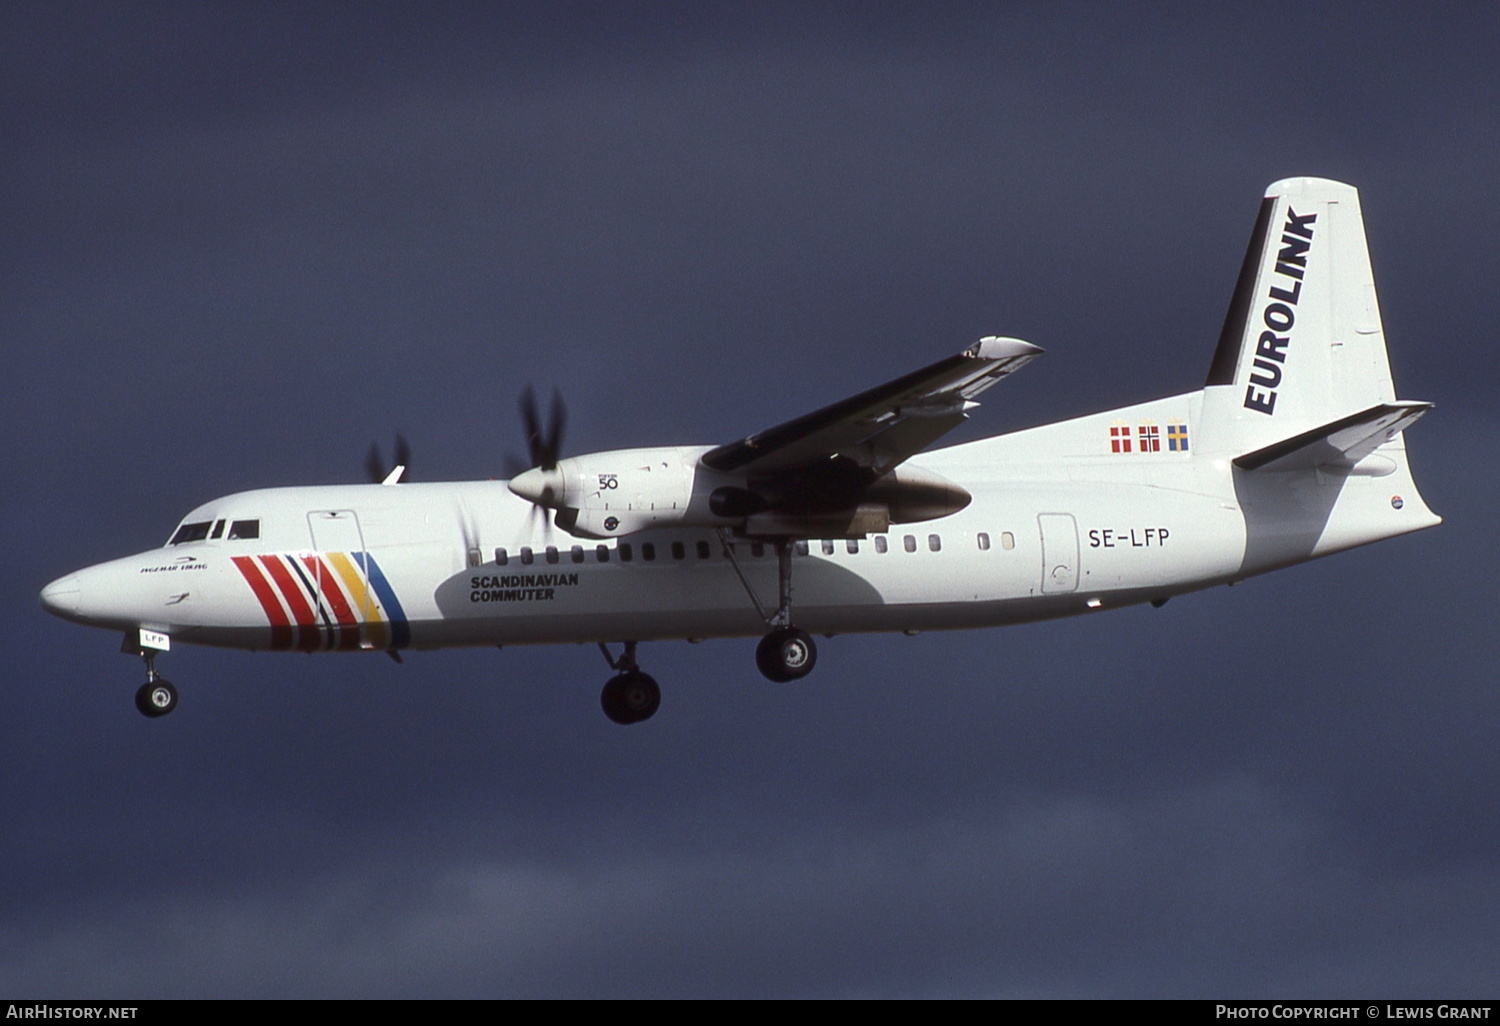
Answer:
[(156, 698), (786, 655), (630, 697)]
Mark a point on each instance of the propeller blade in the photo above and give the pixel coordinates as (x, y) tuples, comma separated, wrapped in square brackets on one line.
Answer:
[(373, 465), (377, 470), (403, 455), (543, 442), (546, 516), (555, 436), (531, 423)]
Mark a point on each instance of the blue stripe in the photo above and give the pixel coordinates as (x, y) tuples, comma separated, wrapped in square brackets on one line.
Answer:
[(400, 629)]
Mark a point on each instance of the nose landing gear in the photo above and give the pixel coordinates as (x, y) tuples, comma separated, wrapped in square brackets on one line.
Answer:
[(157, 696)]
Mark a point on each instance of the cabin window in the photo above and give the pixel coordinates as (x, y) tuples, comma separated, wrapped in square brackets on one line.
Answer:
[(244, 529), (601, 553), (880, 543), (576, 553), (909, 543), (678, 552), (625, 553), (501, 557), (853, 546), (648, 551), (703, 550), (801, 548), (827, 546), (552, 553), (1007, 540), (526, 554), (191, 532), (218, 530), (934, 543), (984, 542)]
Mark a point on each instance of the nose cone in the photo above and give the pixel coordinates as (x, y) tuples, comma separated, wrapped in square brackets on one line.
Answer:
[(113, 594), (60, 598), (543, 487)]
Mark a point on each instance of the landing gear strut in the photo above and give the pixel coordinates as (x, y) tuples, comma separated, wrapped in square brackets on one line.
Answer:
[(787, 653), (157, 696), (630, 696)]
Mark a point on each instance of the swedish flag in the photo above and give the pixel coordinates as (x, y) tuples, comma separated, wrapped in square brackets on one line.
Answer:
[(1177, 439)]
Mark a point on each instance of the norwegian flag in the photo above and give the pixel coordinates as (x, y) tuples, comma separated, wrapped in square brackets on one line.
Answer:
[(1119, 438), (1150, 437)]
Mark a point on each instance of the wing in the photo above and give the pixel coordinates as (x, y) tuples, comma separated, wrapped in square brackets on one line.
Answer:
[(884, 426)]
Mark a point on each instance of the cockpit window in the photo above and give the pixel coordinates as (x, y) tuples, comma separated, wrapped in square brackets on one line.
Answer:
[(244, 529), (191, 532)]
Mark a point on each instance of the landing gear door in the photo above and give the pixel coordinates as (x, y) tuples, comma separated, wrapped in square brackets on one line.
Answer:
[(1059, 553)]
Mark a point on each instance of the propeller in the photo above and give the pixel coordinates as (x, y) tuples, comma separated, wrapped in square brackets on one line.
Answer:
[(539, 482), (543, 446), (376, 469)]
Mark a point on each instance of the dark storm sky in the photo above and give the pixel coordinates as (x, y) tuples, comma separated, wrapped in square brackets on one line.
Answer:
[(238, 245)]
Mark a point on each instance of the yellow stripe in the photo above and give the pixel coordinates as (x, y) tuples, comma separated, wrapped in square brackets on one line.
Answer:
[(365, 608)]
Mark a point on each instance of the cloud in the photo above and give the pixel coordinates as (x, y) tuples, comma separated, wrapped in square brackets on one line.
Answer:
[(1183, 893)]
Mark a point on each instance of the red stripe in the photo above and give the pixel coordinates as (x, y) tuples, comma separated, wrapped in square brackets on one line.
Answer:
[(281, 627), (328, 588), (310, 639)]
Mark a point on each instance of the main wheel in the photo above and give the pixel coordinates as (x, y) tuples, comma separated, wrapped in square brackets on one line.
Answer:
[(786, 654), (156, 698), (630, 697)]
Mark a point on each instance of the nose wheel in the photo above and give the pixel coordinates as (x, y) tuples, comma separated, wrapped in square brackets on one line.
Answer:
[(157, 696)]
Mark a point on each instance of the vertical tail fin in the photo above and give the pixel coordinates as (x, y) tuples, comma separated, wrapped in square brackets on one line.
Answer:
[(1302, 344)]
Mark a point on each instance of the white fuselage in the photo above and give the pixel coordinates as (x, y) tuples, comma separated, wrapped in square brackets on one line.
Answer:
[(1047, 534)]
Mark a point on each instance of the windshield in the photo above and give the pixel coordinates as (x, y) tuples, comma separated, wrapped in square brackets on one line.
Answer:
[(200, 530), (191, 532)]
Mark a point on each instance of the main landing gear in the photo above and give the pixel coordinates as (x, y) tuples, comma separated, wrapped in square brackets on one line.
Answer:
[(787, 653), (157, 696), (630, 696)]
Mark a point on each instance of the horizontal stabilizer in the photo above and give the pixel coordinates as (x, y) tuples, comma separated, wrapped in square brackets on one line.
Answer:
[(1343, 443)]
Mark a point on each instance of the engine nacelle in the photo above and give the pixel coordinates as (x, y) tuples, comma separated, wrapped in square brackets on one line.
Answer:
[(622, 491), (619, 492)]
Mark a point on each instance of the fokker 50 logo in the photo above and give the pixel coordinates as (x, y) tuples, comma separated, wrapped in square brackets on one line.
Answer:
[(1280, 313)]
